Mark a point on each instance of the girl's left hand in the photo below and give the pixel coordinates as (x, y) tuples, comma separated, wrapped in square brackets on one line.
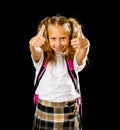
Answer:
[(81, 41)]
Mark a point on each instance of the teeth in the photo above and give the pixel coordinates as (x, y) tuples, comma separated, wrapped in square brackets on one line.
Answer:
[(59, 48)]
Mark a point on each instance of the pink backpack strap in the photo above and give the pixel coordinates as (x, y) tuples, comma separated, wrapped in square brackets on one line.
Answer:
[(71, 71), (74, 79), (43, 68), (79, 102), (41, 72), (35, 99)]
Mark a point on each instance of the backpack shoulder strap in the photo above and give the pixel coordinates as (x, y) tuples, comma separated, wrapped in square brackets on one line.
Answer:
[(41, 72), (72, 73)]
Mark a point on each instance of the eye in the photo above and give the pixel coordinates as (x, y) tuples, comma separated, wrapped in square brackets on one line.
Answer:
[(62, 38), (53, 39)]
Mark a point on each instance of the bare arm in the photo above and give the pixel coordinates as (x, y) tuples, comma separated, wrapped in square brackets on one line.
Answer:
[(82, 55), (81, 45)]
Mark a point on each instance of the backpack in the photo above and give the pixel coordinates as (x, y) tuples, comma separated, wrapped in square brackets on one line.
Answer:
[(71, 72)]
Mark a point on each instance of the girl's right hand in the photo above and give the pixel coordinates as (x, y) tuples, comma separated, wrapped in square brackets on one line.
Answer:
[(38, 40)]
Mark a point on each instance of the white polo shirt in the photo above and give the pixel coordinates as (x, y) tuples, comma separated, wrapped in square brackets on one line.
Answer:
[(56, 84)]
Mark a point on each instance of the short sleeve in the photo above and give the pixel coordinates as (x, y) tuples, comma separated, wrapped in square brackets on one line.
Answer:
[(77, 67)]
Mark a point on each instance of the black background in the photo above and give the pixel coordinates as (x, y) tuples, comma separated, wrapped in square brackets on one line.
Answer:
[(101, 26)]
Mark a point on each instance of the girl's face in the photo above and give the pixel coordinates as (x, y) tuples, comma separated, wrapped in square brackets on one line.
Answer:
[(58, 38)]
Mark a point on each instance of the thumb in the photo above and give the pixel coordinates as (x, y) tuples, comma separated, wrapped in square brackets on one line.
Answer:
[(80, 33)]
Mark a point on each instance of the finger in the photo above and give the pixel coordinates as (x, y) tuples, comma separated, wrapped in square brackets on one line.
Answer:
[(32, 40), (80, 33), (41, 31)]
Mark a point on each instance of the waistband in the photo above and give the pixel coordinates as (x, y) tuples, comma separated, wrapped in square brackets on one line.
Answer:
[(56, 104)]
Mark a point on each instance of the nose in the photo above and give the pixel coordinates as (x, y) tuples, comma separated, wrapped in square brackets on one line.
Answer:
[(58, 42)]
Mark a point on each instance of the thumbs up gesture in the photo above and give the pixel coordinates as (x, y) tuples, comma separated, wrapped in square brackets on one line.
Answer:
[(38, 40), (81, 41)]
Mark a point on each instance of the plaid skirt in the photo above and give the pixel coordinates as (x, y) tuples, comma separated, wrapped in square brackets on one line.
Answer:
[(57, 116)]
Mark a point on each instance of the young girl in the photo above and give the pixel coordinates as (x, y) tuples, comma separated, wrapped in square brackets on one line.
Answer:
[(58, 38)]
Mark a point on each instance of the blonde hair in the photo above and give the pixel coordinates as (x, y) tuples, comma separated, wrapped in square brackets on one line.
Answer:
[(71, 25)]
